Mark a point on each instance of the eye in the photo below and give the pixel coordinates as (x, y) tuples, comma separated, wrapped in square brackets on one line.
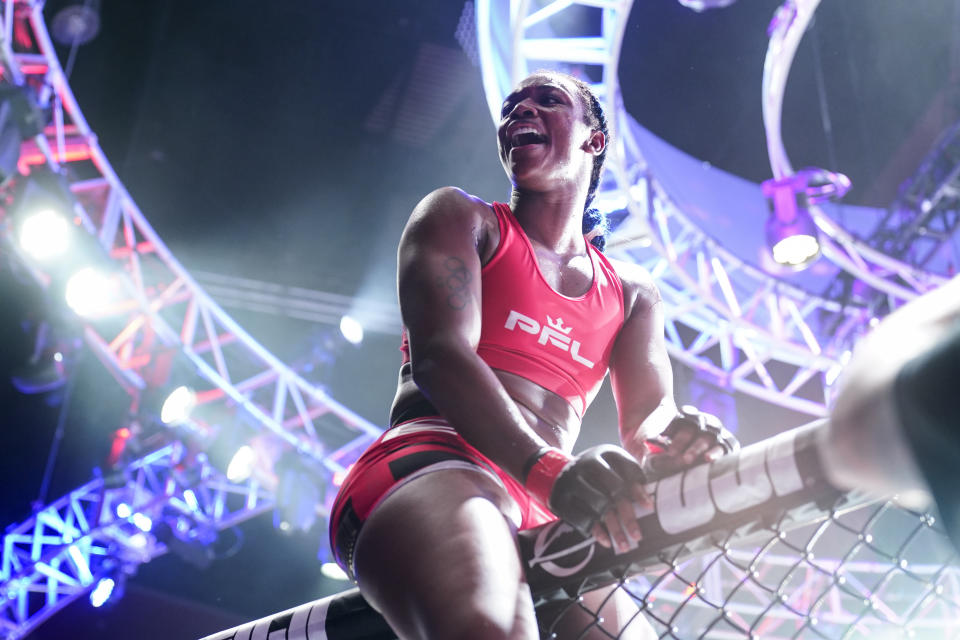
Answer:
[(550, 98)]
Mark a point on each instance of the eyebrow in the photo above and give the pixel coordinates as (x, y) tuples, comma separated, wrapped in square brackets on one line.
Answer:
[(550, 85)]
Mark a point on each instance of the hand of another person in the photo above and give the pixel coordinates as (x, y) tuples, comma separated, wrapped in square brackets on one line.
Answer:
[(692, 438), (595, 492)]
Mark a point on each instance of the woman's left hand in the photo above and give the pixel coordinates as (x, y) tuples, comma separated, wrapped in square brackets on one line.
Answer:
[(692, 438)]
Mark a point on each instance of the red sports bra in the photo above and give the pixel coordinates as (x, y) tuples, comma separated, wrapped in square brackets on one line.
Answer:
[(560, 343)]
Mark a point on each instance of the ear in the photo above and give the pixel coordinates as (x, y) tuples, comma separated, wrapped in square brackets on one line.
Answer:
[(596, 143)]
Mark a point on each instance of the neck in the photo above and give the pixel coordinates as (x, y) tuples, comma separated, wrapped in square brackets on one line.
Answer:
[(553, 220)]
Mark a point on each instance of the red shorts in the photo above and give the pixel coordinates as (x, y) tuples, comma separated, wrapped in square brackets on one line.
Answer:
[(405, 452)]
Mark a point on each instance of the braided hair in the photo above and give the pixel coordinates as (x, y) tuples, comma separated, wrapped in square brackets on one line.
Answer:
[(593, 219)]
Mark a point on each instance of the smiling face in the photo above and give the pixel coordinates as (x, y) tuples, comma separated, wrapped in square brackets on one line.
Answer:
[(544, 137)]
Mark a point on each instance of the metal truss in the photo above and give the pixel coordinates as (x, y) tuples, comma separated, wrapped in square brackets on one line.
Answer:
[(158, 309), (159, 306), (926, 214), (752, 332), (165, 501), (899, 281)]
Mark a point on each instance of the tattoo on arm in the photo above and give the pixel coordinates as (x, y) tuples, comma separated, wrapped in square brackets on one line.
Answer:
[(456, 283)]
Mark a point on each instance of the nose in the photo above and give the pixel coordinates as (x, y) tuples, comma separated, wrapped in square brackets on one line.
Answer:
[(525, 108)]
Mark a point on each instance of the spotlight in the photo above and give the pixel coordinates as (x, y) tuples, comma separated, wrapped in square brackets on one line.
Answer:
[(333, 571), (241, 464), (109, 587), (791, 232), (142, 521), (45, 234), (231, 452), (351, 329), (178, 405), (89, 291), (102, 592)]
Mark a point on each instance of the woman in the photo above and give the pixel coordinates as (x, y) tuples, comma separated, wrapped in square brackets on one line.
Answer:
[(512, 321)]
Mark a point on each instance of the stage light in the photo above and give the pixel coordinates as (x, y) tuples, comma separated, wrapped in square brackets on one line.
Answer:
[(794, 249), (351, 329), (124, 511), (109, 587), (790, 231), (45, 234), (88, 291), (102, 592), (241, 464), (142, 521), (178, 405), (333, 571)]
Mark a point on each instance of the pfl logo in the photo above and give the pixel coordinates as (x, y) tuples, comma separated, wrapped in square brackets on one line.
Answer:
[(553, 333), (560, 551)]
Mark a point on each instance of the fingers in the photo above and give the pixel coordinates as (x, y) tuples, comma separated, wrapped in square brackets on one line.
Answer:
[(696, 451), (618, 528)]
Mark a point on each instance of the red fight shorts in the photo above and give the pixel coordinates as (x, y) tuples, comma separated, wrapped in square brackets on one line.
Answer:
[(402, 454)]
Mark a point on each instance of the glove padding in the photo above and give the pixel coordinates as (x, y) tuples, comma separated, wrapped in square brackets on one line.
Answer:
[(666, 457), (591, 484)]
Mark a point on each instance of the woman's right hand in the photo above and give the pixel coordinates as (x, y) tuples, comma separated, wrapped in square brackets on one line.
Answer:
[(596, 492)]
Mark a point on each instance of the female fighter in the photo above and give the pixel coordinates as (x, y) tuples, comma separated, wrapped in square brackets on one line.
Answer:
[(513, 318)]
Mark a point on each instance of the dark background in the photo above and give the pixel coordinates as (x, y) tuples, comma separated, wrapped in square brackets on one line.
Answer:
[(288, 141)]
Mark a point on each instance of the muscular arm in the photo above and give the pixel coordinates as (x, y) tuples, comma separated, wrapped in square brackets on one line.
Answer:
[(439, 288), (640, 371)]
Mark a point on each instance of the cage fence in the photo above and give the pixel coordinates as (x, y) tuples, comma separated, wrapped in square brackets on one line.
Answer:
[(876, 571), (756, 545)]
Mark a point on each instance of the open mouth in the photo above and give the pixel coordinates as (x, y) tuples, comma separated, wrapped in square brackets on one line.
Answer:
[(525, 137)]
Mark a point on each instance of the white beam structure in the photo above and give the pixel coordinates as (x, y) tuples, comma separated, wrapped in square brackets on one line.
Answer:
[(110, 525), (747, 329), (157, 309), (159, 305)]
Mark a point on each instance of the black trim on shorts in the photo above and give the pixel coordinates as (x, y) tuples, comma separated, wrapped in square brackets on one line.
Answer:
[(419, 408)]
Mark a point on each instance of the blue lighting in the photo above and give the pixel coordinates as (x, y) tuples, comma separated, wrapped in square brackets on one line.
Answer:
[(142, 522), (102, 592)]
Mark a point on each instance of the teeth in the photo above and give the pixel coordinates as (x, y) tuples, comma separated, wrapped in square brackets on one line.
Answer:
[(522, 131)]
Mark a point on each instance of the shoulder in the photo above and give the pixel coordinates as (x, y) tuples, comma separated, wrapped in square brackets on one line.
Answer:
[(451, 215), (640, 291), (452, 204)]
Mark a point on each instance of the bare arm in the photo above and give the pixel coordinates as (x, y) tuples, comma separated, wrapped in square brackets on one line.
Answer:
[(640, 371), (439, 288), (643, 388)]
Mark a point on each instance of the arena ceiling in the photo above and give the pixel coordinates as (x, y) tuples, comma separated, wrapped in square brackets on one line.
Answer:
[(289, 143)]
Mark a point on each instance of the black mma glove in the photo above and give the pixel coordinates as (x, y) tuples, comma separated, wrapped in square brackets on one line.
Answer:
[(581, 489), (666, 451)]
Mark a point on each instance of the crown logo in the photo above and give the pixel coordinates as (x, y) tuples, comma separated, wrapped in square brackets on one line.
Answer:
[(558, 325)]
